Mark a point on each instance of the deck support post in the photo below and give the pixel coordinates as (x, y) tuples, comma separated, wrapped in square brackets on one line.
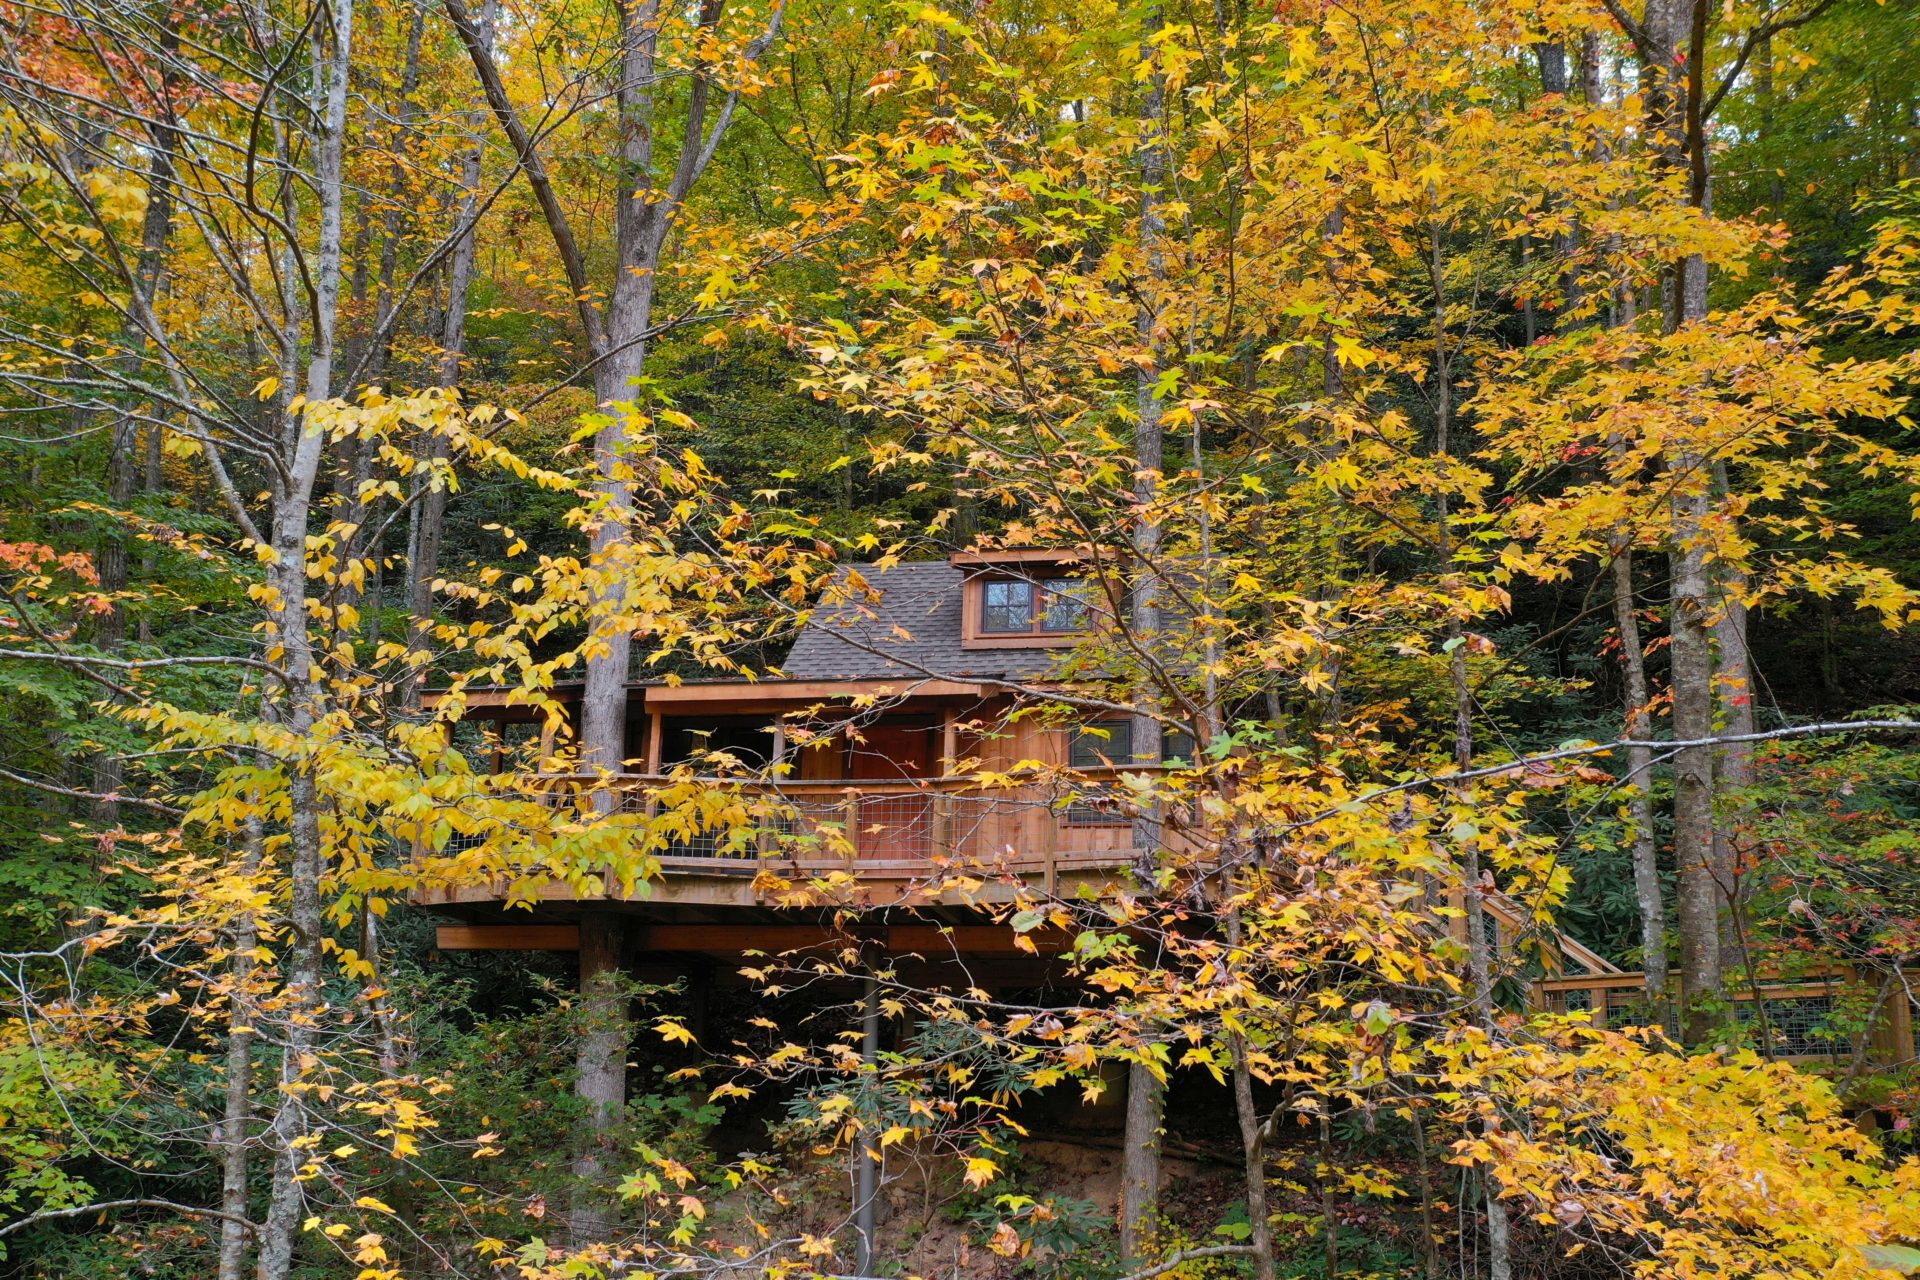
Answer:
[(600, 1070), (942, 825), (866, 1161), (1050, 820)]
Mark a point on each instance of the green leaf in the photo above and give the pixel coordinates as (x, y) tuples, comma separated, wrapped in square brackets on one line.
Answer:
[(1379, 1019), (1893, 1257)]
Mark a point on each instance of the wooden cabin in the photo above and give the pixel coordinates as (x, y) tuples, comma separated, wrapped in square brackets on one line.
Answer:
[(897, 692)]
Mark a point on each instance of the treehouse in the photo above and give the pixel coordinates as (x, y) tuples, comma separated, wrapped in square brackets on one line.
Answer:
[(872, 737), (909, 734)]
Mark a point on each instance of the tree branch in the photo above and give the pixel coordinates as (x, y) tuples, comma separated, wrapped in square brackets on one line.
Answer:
[(536, 170), (1768, 28), (144, 664), (81, 1211), (56, 789)]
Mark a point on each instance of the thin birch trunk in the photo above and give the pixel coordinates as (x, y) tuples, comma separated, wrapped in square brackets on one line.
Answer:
[(1733, 768), (1253, 1137), (1479, 947), (1146, 1093), (363, 513), (123, 466), (235, 1143), (1647, 893), (333, 42)]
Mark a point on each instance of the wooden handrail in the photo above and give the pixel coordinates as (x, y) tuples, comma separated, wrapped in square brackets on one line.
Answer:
[(934, 782)]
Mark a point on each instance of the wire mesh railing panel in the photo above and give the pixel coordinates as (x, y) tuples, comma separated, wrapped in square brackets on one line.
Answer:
[(828, 822), (981, 827), (1795, 1026), (894, 828)]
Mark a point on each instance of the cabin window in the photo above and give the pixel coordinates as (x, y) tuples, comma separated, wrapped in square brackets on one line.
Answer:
[(1006, 608), (1033, 606), (1109, 743)]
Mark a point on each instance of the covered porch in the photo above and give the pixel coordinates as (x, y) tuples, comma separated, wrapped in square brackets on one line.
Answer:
[(878, 778)]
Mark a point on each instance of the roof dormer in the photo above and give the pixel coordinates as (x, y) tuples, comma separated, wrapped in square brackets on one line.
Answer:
[(1038, 598)]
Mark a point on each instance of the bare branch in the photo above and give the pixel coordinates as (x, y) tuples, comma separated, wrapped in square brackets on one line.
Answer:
[(104, 1206)]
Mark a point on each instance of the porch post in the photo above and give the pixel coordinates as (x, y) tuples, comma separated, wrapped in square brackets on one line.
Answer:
[(949, 742), (654, 744), (600, 1071)]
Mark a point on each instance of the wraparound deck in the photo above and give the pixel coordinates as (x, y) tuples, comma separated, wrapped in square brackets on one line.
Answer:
[(714, 838)]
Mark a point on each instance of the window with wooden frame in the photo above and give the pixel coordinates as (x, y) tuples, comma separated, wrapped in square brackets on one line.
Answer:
[(1108, 744), (1004, 610)]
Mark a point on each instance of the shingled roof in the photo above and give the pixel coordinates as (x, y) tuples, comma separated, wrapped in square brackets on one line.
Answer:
[(910, 628)]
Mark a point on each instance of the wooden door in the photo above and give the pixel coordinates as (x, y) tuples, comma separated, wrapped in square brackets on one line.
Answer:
[(892, 751), (895, 824)]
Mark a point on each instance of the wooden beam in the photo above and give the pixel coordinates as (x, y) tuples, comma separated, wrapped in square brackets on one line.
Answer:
[(508, 937), (931, 941), (773, 694), (1030, 555), (492, 695), (928, 940)]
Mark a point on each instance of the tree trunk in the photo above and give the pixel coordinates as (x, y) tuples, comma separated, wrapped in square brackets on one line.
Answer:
[(1140, 1161), (427, 521), (638, 237), (1691, 653), (1646, 868), (333, 42), (644, 212), (1733, 771), (1253, 1137), (123, 464), (1146, 1094), (1765, 96), (600, 1077), (1323, 1174), (866, 1191), (1554, 80), (1480, 958), (1733, 768), (1671, 83), (362, 513), (237, 1115)]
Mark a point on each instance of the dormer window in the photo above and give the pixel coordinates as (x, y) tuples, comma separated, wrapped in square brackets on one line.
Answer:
[(1023, 607), (1027, 598)]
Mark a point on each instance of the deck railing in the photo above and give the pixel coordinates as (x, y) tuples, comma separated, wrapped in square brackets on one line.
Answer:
[(1821, 1016), (874, 827)]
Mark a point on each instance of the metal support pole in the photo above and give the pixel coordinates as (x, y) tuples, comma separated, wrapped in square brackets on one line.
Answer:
[(867, 1166)]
